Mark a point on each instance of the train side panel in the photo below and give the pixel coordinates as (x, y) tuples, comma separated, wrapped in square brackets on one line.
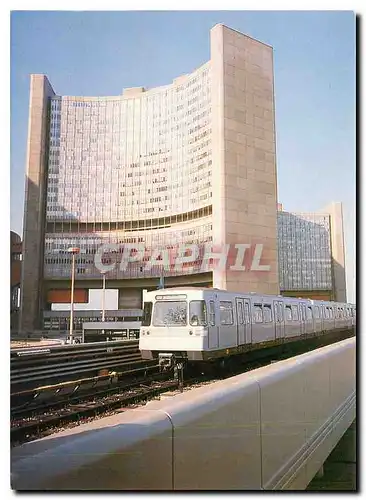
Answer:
[(205, 324)]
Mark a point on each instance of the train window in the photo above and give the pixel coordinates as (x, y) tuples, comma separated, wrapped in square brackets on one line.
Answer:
[(197, 313), (258, 313), (226, 313), (280, 312), (295, 313), (246, 313), (212, 313), (309, 313), (267, 313), (146, 318), (240, 313), (288, 313), (170, 313)]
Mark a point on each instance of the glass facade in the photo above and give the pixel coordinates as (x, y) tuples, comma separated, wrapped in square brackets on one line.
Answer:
[(304, 251), (129, 169)]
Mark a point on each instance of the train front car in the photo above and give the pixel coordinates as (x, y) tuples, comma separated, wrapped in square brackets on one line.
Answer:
[(174, 326)]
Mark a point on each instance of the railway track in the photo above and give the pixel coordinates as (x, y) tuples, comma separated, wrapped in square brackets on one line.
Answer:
[(30, 421), (47, 365), (25, 428)]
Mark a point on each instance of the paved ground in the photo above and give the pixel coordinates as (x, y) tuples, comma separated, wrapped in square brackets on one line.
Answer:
[(340, 467)]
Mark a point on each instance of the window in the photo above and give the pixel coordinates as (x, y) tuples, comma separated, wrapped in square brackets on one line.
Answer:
[(267, 313), (170, 313), (212, 313), (309, 313), (295, 313), (246, 313), (197, 313), (280, 312), (146, 318), (288, 313), (240, 313), (226, 313), (258, 313)]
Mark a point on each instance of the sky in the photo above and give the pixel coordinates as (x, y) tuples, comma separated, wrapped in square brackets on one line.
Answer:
[(100, 53)]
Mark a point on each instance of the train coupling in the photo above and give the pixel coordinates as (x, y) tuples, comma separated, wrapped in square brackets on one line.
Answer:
[(166, 361)]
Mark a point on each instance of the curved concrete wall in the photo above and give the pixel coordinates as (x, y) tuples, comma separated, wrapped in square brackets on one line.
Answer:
[(271, 428)]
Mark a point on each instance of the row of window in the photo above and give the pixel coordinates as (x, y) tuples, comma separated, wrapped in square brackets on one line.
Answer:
[(175, 313)]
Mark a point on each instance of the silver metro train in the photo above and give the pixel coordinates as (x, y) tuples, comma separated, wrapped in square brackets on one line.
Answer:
[(206, 324)]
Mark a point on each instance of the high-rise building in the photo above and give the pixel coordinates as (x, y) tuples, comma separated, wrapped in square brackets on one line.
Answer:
[(311, 254), (190, 162)]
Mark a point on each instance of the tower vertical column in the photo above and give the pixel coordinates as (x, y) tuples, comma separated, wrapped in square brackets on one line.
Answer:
[(35, 203), (244, 159), (338, 252)]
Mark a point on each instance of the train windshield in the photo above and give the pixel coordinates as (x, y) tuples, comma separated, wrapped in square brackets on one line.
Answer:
[(172, 313)]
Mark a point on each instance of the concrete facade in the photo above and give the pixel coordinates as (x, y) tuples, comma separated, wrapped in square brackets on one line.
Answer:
[(34, 207), (244, 156), (335, 211)]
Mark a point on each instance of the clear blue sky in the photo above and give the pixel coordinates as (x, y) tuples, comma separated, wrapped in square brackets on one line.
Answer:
[(100, 53)]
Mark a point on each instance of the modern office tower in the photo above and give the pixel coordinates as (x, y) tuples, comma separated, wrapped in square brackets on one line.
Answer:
[(311, 254), (192, 162)]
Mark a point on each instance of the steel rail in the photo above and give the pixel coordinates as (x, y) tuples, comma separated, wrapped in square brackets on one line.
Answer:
[(83, 410), (70, 361), (116, 381)]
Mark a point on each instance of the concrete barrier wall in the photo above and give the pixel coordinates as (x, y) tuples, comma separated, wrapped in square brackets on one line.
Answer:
[(271, 428)]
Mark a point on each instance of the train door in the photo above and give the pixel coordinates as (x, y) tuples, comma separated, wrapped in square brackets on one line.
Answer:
[(279, 320), (240, 324), (302, 312), (213, 325), (247, 321)]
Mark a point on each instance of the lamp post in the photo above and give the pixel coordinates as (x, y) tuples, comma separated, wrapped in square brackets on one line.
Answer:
[(103, 299), (74, 251)]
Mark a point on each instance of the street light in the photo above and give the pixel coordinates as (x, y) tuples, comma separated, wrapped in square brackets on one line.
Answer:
[(103, 299), (74, 251)]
